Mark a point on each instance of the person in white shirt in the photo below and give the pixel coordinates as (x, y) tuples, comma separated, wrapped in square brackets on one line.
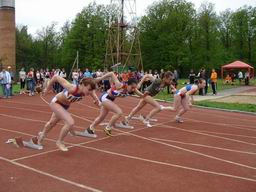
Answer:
[(22, 77), (5, 78), (240, 76)]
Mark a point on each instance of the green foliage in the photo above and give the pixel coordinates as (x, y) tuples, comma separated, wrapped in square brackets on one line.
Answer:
[(87, 35), (173, 36)]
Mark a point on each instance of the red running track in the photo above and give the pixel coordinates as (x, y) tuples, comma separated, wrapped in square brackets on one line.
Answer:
[(212, 151)]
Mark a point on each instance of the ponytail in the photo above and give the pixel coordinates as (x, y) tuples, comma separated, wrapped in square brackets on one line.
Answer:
[(199, 81), (166, 75)]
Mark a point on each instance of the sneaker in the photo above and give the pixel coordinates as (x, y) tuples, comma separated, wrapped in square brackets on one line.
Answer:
[(108, 131), (141, 118), (178, 119), (40, 137), (147, 123), (90, 131), (166, 108), (61, 146), (125, 122)]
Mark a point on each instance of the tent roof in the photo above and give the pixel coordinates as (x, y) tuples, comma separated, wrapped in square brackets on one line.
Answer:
[(237, 64)]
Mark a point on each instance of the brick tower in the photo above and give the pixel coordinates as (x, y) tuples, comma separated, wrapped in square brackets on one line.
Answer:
[(7, 34)]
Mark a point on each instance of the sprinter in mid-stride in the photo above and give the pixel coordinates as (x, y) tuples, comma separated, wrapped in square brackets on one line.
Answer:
[(183, 98), (60, 104)]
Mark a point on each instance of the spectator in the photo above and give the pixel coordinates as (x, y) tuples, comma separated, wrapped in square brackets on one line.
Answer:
[(12, 80), (22, 78), (42, 76), (156, 75), (130, 74), (233, 76), (192, 76), (63, 73), (47, 76), (31, 81), (87, 73), (214, 81), (240, 77), (52, 73), (75, 77), (38, 77), (99, 73), (247, 78), (228, 80), (5, 78), (106, 83), (176, 75), (80, 74), (202, 75), (57, 86), (124, 77)]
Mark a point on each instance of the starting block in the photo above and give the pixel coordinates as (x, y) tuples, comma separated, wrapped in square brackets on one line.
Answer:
[(18, 142), (119, 125), (85, 134), (141, 118)]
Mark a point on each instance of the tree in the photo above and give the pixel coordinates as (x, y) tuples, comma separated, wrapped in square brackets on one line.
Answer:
[(87, 35)]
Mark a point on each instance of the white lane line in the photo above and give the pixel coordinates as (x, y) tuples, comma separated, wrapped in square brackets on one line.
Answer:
[(228, 134), (71, 144), (232, 126), (206, 146), (138, 158), (170, 164), (205, 134), (194, 152), (51, 176), (201, 154), (81, 145)]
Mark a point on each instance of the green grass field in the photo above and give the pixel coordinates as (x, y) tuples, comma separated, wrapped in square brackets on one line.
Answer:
[(230, 106)]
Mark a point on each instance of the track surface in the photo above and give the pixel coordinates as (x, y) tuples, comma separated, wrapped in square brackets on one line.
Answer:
[(212, 151)]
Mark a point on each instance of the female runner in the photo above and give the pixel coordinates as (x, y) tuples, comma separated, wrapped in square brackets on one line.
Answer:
[(152, 90), (61, 102), (183, 98), (117, 89)]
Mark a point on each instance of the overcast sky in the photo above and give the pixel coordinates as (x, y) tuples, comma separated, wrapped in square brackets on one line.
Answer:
[(40, 13)]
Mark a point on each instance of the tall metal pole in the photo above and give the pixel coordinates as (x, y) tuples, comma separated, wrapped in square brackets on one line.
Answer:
[(123, 36), (77, 60)]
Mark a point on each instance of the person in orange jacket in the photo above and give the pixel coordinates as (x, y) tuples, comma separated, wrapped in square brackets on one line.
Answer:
[(214, 77)]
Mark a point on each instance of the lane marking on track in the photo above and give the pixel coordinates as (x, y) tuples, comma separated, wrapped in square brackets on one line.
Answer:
[(180, 148), (169, 164), (221, 133), (201, 154), (154, 162), (51, 175), (194, 152), (205, 146), (205, 134), (242, 127)]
